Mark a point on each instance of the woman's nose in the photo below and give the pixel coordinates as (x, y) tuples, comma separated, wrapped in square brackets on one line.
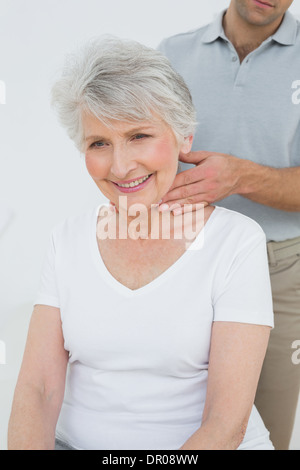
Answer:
[(123, 163)]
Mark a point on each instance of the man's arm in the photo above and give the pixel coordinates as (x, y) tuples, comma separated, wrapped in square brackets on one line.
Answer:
[(275, 187), (217, 176)]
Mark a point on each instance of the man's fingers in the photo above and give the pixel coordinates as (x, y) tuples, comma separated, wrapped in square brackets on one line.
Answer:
[(185, 208), (194, 157), (192, 175), (187, 192), (183, 205), (186, 178)]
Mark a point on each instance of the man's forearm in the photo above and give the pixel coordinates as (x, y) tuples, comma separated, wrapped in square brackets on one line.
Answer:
[(277, 188)]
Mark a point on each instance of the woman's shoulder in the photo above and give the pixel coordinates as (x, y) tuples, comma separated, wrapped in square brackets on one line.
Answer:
[(235, 224), (75, 223)]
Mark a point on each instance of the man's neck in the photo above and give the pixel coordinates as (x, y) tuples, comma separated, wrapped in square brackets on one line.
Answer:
[(244, 36)]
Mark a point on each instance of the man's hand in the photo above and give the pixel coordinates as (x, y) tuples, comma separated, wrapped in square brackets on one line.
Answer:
[(218, 175), (215, 176)]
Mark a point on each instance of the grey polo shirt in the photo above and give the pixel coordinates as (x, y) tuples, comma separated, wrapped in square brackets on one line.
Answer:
[(250, 110)]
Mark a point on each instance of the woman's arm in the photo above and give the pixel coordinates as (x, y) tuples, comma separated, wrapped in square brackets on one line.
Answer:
[(40, 387), (236, 357)]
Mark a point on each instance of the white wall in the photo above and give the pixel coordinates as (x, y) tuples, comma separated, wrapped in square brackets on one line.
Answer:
[(42, 176)]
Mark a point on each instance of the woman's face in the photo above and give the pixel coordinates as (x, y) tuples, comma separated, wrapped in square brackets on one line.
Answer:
[(137, 160)]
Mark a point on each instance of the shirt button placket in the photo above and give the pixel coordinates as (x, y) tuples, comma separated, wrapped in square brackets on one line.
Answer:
[(242, 73)]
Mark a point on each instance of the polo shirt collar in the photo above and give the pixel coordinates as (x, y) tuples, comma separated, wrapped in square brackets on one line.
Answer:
[(285, 34), (215, 29)]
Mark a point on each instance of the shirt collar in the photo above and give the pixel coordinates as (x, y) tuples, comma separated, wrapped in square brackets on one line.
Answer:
[(285, 34), (215, 29)]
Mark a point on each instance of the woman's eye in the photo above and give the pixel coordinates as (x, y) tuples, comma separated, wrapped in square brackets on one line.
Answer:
[(140, 136), (97, 145), (100, 144)]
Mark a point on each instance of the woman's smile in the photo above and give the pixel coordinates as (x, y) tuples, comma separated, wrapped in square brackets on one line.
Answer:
[(134, 185)]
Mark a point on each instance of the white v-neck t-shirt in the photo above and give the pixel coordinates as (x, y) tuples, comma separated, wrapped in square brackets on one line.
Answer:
[(138, 359)]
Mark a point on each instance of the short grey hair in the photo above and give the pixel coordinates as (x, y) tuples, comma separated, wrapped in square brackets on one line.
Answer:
[(116, 79)]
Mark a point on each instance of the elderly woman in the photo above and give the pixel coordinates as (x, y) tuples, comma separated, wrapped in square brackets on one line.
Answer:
[(140, 340)]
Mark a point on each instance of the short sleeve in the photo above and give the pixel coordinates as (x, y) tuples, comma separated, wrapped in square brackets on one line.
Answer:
[(47, 291), (243, 292)]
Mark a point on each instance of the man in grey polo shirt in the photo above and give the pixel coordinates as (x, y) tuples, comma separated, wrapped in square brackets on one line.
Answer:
[(243, 71)]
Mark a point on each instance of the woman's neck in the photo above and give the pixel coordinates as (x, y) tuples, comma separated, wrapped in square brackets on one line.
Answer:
[(142, 223), (156, 225)]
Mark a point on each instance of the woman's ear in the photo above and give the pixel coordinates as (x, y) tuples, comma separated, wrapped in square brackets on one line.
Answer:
[(186, 145)]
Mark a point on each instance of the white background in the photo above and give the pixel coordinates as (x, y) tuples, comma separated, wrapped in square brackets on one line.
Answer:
[(42, 176)]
